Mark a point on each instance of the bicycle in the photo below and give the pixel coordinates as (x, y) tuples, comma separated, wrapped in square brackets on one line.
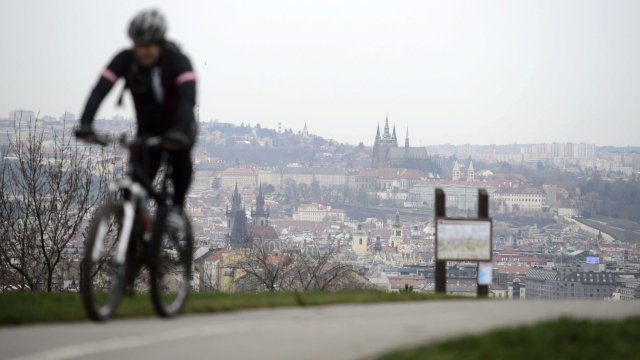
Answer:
[(124, 237)]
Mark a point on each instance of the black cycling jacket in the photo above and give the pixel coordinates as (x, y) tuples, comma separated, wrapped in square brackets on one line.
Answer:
[(164, 94)]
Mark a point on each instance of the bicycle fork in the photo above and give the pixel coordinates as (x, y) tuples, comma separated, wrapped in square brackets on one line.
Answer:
[(137, 195), (128, 218)]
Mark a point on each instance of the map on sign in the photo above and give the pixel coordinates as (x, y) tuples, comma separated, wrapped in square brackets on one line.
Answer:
[(463, 239)]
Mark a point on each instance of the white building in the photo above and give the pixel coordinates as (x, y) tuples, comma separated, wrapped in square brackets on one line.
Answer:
[(462, 195), (318, 213), (515, 199), (243, 177)]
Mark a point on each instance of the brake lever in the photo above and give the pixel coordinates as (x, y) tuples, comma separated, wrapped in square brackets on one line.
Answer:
[(153, 141), (101, 140)]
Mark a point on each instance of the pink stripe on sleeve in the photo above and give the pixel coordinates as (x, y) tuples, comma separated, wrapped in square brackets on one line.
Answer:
[(109, 75), (185, 77)]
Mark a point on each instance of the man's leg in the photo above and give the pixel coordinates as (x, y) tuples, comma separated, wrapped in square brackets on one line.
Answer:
[(182, 175), (147, 162)]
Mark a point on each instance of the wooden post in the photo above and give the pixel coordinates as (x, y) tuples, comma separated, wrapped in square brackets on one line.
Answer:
[(441, 265), (483, 213), (483, 204)]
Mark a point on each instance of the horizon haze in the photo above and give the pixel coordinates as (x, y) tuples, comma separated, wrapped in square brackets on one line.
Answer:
[(452, 72)]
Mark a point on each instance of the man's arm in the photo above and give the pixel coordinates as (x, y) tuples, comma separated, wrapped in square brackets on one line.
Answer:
[(116, 69), (185, 121)]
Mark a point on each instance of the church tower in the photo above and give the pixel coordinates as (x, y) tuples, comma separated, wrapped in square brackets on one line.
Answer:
[(455, 173), (359, 242), (396, 231), (377, 247), (238, 236), (236, 205), (260, 214), (471, 174)]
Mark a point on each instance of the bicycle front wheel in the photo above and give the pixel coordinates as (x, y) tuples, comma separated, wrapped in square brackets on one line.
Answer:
[(171, 266), (101, 277)]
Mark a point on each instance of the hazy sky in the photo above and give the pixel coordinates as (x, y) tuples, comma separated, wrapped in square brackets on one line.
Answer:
[(452, 71)]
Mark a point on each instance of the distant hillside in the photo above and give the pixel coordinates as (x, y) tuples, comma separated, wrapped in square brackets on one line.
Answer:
[(255, 145)]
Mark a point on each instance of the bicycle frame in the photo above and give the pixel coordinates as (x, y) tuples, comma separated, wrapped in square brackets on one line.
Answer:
[(141, 237), (136, 194)]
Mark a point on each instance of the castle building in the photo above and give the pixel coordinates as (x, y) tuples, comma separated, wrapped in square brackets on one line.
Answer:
[(387, 153)]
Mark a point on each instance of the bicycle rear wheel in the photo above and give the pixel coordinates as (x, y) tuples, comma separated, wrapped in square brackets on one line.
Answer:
[(171, 266), (102, 278)]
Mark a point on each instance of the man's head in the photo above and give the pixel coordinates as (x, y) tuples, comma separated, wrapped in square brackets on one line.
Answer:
[(147, 31)]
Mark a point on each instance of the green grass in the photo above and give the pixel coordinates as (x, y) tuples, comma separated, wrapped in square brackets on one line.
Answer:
[(561, 339), (18, 308)]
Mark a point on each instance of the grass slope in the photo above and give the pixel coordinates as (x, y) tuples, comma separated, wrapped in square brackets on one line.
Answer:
[(561, 339), (24, 308)]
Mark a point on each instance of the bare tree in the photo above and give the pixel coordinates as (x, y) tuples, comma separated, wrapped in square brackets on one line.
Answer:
[(264, 267), (293, 269), (319, 268), (48, 187)]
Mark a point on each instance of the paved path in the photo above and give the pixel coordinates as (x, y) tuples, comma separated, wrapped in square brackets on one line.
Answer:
[(329, 332)]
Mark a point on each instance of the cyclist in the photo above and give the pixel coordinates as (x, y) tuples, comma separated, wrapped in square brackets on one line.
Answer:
[(163, 86)]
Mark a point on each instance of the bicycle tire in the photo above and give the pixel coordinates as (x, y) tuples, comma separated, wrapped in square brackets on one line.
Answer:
[(163, 243), (91, 287)]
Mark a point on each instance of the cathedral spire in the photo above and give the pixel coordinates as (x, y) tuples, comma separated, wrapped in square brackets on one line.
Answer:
[(394, 137), (406, 139), (378, 132), (260, 215), (386, 128), (260, 201), (236, 200)]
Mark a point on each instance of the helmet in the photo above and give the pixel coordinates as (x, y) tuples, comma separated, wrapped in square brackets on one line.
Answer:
[(149, 26)]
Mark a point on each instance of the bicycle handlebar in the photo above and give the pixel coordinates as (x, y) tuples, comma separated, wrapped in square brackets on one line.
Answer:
[(123, 140)]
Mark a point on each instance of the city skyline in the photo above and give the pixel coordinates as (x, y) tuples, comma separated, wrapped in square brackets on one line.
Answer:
[(493, 73), (401, 137)]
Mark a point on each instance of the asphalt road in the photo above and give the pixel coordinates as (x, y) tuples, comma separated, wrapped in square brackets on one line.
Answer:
[(329, 332)]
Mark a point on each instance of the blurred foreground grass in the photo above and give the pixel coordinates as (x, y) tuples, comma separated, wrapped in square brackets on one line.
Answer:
[(25, 307), (560, 339)]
